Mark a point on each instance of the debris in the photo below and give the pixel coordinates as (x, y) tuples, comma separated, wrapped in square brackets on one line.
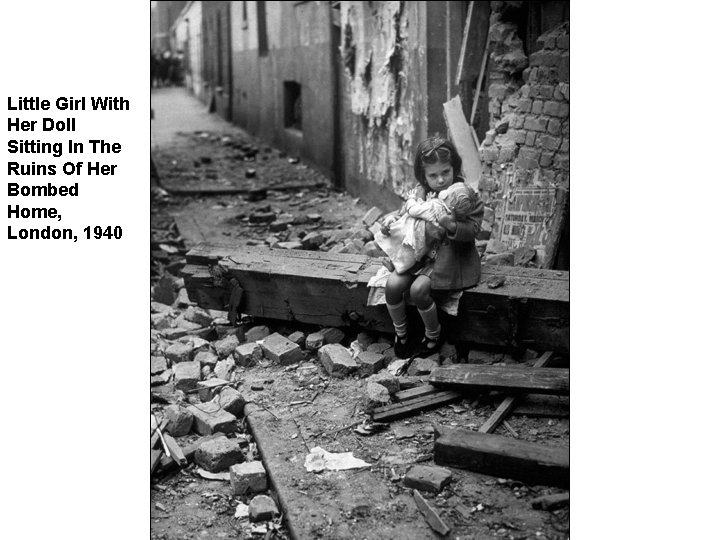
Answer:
[(403, 432), (337, 360), (319, 460), (314, 341), (225, 347), (297, 337), (370, 428), (281, 350), (377, 395), (158, 364), (430, 515), (231, 401), (372, 215), (207, 475), (423, 366), (418, 391), (388, 381), (479, 377), (427, 478), (175, 452), (248, 477), (209, 388), (180, 420), (209, 419), (398, 367), (332, 335), (494, 282), (242, 511), (414, 406), (224, 369), (262, 508), (218, 454), (370, 363), (187, 375), (179, 352), (503, 457), (551, 502), (256, 333)]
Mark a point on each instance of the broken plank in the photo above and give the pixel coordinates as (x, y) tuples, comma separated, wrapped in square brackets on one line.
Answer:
[(540, 405), (414, 406), (329, 289), (459, 132), (503, 457), (176, 452), (418, 391), (430, 515), (155, 456), (156, 434), (510, 378), (481, 76), (508, 403)]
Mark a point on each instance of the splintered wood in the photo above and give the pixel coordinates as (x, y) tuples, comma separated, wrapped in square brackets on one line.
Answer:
[(531, 309)]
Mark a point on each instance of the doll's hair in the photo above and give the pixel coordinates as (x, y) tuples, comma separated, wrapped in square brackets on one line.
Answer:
[(436, 150), (460, 199)]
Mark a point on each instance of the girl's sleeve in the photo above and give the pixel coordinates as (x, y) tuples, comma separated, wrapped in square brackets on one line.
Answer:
[(468, 229)]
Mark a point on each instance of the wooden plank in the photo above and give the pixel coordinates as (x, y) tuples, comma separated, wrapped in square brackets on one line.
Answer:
[(481, 76), (155, 456), (418, 391), (414, 406), (508, 403), (155, 437), (463, 47), (538, 405), (530, 310), (503, 457), (176, 452), (430, 515), (460, 134), (474, 37), (509, 378)]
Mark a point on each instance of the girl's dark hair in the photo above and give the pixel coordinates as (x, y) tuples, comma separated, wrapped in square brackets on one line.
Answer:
[(434, 150)]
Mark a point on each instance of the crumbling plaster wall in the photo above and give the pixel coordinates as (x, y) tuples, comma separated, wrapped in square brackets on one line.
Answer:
[(384, 109), (528, 144)]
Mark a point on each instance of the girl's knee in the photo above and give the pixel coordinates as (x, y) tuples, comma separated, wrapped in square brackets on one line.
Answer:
[(420, 292), (395, 287)]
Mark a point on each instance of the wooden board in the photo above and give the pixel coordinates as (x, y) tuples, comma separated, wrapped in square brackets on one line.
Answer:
[(328, 289), (417, 392), (460, 134), (430, 514), (538, 405), (503, 457), (414, 406), (508, 403), (510, 378)]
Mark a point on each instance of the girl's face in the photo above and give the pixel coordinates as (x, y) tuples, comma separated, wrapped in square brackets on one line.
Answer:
[(439, 175)]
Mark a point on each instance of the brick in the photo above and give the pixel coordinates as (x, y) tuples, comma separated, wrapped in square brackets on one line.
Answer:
[(371, 249), (549, 42), (524, 105), (378, 347), (248, 477), (218, 454), (180, 420), (307, 374), (423, 366), (209, 419), (537, 107), (161, 321), (364, 340), (262, 508), (562, 162), (198, 316), (564, 110), (248, 354), (564, 90), (565, 146), (372, 215), (187, 375), (397, 365), (337, 360), (553, 126), (162, 378), (548, 142), (551, 108), (427, 478), (376, 395), (517, 121), (290, 245), (333, 335), (498, 91), (256, 333), (558, 95), (545, 91), (206, 358), (489, 154), (387, 380), (563, 42), (312, 241), (207, 389), (225, 330), (225, 347), (370, 363), (528, 164), (544, 58), (158, 364), (230, 400), (280, 349), (224, 369), (178, 352), (297, 337), (534, 123), (530, 138), (507, 153), (546, 159)]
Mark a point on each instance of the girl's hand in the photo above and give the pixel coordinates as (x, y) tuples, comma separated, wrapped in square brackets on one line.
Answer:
[(449, 223), (389, 220)]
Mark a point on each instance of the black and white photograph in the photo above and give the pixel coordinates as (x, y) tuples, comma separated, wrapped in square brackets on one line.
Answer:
[(360, 315)]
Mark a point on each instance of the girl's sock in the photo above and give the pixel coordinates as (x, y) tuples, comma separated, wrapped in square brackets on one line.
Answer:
[(399, 319), (432, 324)]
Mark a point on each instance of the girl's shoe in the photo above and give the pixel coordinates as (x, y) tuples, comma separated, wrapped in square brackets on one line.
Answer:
[(428, 347), (402, 350)]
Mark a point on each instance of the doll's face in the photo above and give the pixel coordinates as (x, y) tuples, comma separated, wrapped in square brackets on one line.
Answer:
[(439, 175)]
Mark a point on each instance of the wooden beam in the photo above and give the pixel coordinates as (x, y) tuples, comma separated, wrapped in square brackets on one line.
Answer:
[(510, 378), (418, 391), (155, 437), (430, 514), (508, 403), (502, 457), (481, 76), (330, 289), (176, 452), (463, 47), (460, 133), (539, 405), (414, 406), (477, 24)]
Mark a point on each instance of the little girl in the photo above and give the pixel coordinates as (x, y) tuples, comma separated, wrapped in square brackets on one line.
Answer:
[(452, 265)]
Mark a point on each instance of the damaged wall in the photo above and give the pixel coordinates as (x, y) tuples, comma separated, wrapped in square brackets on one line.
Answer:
[(383, 109), (525, 154)]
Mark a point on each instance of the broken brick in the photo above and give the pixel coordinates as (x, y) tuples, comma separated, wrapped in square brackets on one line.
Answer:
[(207, 389), (158, 364), (231, 401), (210, 418), (248, 354), (248, 477), (333, 335), (314, 341), (179, 352), (187, 375), (226, 346), (224, 369), (376, 394), (370, 363), (387, 380), (280, 349), (337, 360), (372, 215), (423, 366), (162, 378), (206, 358), (427, 478), (161, 321), (378, 347), (256, 333), (180, 420), (198, 316), (218, 454), (262, 508), (312, 241), (297, 337)]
